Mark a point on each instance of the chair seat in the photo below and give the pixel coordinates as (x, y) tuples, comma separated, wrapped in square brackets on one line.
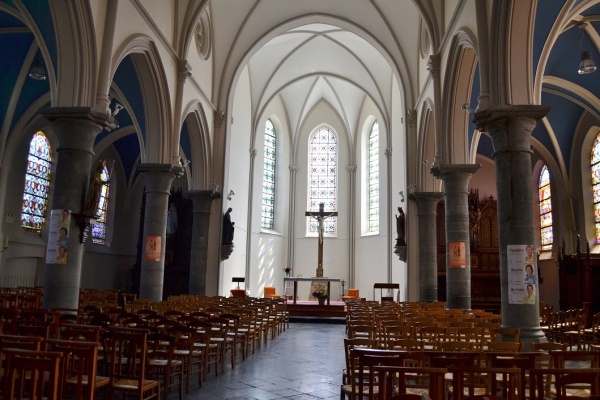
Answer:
[(132, 384), (100, 380)]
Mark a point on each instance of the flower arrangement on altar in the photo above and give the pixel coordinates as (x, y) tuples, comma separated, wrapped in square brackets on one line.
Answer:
[(319, 294), (287, 270)]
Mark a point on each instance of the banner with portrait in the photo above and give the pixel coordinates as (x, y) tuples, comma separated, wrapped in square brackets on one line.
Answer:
[(59, 230), (522, 274)]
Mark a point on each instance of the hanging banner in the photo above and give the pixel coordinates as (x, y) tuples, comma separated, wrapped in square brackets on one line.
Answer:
[(522, 274), (152, 248), (457, 254), (59, 227)]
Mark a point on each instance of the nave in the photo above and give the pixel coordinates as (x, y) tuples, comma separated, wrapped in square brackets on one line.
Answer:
[(305, 363)]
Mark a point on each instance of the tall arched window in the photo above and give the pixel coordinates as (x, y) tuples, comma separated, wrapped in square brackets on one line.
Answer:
[(99, 228), (545, 209), (269, 164), (322, 177), (595, 166), (374, 178), (37, 183)]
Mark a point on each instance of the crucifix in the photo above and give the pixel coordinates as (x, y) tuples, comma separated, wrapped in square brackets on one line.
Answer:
[(321, 216)]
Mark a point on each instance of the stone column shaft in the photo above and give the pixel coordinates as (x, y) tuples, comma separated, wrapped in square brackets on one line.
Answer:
[(202, 201), (76, 129), (428, 280), (158, 179), (510, 128), (456, 191)]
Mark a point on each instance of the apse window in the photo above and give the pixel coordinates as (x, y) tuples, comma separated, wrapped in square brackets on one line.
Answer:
[(322, 178), (99, 228), (269, 174), (373, 183), (37, 183), (545, 196)]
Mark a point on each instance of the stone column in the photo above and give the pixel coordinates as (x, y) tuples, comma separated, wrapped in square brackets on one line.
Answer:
[(510, 128), (76, 129), (458, 254), (427, 204), (202, 200), (158, 178)]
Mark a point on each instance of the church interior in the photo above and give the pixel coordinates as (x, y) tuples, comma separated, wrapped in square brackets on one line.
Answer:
[(191, 143)]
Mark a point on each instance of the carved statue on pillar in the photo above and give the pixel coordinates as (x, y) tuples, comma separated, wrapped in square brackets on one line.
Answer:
[(401, 227)]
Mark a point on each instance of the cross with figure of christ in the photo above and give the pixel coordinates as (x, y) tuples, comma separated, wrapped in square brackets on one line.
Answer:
[(320, 216)]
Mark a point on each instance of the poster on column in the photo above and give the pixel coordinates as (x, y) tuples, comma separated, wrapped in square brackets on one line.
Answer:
[(522, 274), (152, 248), (458, 254), (59, 227)]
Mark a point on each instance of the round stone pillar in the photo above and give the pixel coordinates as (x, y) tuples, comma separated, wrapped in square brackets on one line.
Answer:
[(158, 178), (510, 128), (76, 129), (202, 201), (428, 278), (458, 254)]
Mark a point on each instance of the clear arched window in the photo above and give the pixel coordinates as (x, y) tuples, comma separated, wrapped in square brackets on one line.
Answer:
[(269, 166), (545, 209), (595, 166), (374, 178), (37, 183), (322, 177), (99, 228)]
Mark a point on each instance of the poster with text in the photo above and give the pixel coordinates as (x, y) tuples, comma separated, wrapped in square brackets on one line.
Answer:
[(522, 274), (152, 248), (59, 230), (458, 254)]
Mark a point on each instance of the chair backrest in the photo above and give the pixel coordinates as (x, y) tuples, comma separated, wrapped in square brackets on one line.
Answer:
[(575, 359), (86, 333), (395, 382), (125, 352), (269, 291), (352, 293), (79, 365), (37, 372), (504, 346), (585, 382)]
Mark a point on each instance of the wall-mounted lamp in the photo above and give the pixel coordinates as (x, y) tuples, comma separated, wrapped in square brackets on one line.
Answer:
[(586, 65), (401, 196), (184, 163), (231, 193), (467, 107), (215, 188), (411, 188), (4, 244), (37, 71)]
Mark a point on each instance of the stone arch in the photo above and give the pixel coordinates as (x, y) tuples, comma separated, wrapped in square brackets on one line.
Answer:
[(201, 172), (462, 63), (426, 149), (155, 93)]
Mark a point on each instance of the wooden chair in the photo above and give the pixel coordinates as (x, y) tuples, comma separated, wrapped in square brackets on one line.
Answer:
[(395, 382), (15, 342), (32, 374), (569, 383), (126, 354), (191, 349), (79, 367), (506, 334), (504, 346), (352, 294), (270, 292), (162, 363), (78, 332)]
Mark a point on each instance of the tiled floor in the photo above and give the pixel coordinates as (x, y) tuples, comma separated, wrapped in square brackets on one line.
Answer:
[(304, 362)]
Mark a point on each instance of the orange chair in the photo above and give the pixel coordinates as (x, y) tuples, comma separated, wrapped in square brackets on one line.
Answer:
[(270, 293), (352, 294)]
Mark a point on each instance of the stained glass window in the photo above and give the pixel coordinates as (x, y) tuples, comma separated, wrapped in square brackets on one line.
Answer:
[(545, 209), (99, 228), (595, 167), (374, 178), (269, 162), (322, 177), (37, 183)]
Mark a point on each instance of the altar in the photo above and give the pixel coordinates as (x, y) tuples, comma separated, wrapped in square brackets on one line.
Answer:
[(326, 281)]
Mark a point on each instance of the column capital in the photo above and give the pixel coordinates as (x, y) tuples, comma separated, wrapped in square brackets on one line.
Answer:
[(184, 70), (411, 118), (202, 199), (351, 169), (445, 170), (252, 153), (158, 177), (58, 114), (426, 201), (501, 114), (433, 65), (293, 169), (388, 152)]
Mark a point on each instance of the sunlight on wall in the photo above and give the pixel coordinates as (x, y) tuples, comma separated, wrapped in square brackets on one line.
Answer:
[(265, 271)]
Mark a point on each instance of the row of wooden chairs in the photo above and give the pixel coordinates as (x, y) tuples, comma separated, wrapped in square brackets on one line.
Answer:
[(506, 375)]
